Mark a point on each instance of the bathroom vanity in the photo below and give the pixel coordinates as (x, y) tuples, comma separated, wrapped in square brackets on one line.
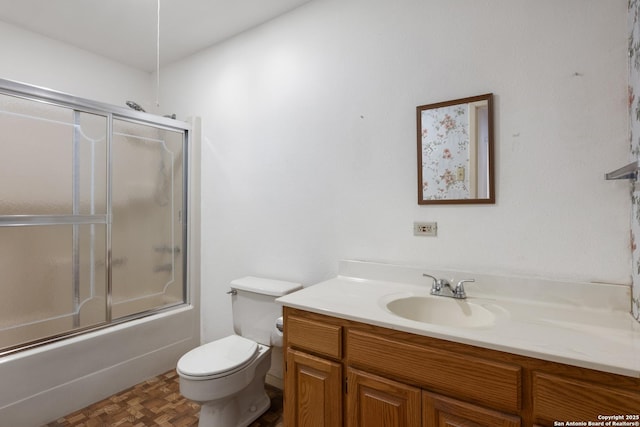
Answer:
[(351, 361)]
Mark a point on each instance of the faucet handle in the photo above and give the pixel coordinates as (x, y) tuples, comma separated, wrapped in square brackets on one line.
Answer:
[(459, 290), (436, 282)]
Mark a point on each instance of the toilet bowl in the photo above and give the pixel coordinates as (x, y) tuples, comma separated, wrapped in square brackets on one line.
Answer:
[(227, 376)]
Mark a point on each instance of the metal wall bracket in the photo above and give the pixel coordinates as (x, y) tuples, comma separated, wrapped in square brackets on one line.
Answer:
[(629, 171)]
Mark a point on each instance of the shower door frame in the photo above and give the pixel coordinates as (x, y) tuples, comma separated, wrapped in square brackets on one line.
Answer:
[(111, 113)]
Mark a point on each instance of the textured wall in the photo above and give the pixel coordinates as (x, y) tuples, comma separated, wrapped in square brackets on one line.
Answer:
[(309, 140), (634, 139)]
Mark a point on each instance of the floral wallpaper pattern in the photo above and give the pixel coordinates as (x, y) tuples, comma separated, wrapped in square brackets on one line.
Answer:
[(634, 139), (445, 143)]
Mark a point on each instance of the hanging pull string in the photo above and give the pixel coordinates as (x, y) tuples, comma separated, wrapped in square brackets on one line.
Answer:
[(158, 58)]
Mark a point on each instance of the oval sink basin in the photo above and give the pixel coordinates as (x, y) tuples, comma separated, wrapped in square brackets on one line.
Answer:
[(442, 311)]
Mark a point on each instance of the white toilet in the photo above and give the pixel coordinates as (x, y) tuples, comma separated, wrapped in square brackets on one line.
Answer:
[(227, 376)]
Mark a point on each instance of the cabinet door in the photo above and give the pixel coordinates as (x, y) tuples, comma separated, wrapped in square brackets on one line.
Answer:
[(313, 391), (441, 411), (374, 401)]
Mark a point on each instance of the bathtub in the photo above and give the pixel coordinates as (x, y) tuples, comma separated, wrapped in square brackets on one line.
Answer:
[(45, 383)]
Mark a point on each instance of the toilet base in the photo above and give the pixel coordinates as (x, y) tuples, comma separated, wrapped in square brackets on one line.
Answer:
[(229, 413), (240, 408)]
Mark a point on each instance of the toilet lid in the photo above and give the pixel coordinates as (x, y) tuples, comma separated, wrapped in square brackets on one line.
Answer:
[(218, 358)]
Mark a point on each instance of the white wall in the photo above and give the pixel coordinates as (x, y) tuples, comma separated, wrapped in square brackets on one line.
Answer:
[(309, 140), (43, 384), (41, 61)]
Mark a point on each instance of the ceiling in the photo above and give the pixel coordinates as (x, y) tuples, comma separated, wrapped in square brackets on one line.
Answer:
[(126, 30)]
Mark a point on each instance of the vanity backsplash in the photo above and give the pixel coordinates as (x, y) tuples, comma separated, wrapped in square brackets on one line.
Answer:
[(601, 296)]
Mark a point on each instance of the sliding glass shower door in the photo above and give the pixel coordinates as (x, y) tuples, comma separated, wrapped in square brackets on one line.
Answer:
[(147, 208), (92, 216)]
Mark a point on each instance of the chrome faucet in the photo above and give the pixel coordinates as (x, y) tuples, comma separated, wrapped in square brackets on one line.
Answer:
[(442, 287)]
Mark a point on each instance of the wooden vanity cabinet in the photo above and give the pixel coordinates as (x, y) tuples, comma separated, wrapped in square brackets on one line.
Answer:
[(340, 372)]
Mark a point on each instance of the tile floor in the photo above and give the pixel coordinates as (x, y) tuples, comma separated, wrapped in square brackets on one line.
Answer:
[(155, 402)]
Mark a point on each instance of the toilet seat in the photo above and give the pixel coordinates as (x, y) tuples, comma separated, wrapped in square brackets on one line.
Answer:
[(218, 358)]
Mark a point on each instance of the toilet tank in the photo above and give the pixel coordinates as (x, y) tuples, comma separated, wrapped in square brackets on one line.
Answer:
[(254, 307)]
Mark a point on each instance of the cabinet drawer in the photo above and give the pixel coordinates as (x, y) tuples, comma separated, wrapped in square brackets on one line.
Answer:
[(314, 336), (558, 398), (495, 384)]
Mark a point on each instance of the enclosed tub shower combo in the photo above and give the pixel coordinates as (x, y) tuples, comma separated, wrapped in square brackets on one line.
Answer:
[(92, 215)]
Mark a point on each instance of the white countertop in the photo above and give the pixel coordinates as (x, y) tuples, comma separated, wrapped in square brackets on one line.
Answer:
[(590, 330)]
